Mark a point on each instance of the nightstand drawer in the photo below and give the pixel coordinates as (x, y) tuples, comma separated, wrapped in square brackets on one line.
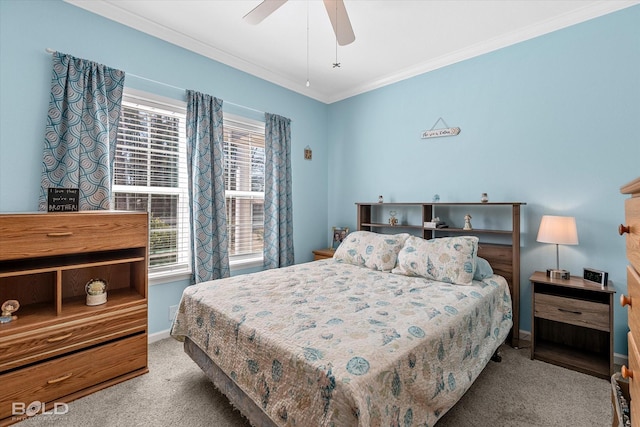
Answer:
[(26, 348), (572, 311), (54, 380)]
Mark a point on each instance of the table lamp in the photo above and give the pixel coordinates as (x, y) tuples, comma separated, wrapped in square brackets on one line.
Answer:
[(560, 230)]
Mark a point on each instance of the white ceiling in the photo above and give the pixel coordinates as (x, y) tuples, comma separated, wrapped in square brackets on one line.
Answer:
[(395, 39)]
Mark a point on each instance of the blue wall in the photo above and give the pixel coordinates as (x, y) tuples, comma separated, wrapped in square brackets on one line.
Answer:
[(28, 27), (553, 122)]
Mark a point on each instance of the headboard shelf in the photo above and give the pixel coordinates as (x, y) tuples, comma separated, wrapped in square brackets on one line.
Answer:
[(496, 224)]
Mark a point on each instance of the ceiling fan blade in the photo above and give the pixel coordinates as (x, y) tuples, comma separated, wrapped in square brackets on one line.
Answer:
[(340, 21), (261, 11)]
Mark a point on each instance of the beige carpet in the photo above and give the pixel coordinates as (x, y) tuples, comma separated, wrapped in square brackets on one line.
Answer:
[(517, 392)]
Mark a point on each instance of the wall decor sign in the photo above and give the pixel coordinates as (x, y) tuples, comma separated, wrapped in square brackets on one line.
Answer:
[(436, 133), (308, 154), (62, 199)]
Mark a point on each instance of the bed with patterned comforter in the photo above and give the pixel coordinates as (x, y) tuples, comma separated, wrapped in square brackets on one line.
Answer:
[(329, 343)]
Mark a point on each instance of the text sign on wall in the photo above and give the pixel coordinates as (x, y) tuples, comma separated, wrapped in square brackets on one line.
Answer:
[(435, 133), (63, 200), (445, 131)]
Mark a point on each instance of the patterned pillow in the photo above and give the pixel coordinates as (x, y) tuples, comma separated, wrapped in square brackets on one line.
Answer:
[(483, 269), (371, 250), (446, 259)]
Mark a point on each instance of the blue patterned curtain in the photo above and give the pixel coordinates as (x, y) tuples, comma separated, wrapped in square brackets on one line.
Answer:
[(278, 206), (205, 165), (81, 131)]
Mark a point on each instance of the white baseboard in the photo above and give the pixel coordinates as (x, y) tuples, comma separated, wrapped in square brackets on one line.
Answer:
[(620, 359), (158, 336)]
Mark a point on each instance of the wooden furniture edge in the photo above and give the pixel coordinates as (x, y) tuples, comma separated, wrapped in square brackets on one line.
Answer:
[(632, 187)]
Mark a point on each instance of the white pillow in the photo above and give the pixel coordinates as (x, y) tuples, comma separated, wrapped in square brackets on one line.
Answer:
[(446, 259), (371, 250)]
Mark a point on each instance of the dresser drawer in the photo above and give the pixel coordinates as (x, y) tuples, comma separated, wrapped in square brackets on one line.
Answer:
[(577, 312), (634, 384), (633, 293), (632, 219), (54, 380), (47, 234), (20, 349)]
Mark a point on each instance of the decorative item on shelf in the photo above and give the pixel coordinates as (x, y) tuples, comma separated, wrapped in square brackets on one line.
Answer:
[(393, 220), (559, 230), (308, 154), (595, 276), (380, 199), (338, 235), (8, 308), (484, 198), (435, 223), (96, 291), (436, 198), (467, 222)]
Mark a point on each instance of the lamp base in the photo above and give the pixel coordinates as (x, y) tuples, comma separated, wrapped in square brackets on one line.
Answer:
[(558, 274)]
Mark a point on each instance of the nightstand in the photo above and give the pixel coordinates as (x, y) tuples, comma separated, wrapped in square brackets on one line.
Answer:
[(323, 253), (572, 324)]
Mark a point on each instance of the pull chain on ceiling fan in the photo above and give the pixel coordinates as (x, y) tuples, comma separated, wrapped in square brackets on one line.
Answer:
[(335, 9), (336, 64)]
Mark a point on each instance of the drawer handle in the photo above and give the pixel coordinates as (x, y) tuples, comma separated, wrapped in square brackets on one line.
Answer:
[(60, 338), (623, 229), (60, 234), (626, 372), (625, 300), (65, 377), (569, 311)]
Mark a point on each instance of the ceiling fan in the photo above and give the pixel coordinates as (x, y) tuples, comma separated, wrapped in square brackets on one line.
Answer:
[(335, 9)]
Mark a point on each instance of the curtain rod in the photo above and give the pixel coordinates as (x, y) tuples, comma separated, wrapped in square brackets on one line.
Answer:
[(49, 50)]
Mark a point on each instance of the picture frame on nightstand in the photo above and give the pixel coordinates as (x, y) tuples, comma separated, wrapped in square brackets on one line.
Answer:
[(338, 234)]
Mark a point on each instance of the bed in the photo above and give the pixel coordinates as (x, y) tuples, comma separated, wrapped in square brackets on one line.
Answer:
[(392, 331)]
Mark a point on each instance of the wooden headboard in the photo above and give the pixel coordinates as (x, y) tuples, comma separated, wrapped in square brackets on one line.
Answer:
[(504, 258)]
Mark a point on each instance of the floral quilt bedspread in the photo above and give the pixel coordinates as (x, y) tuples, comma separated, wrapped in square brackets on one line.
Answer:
[(332, 344)]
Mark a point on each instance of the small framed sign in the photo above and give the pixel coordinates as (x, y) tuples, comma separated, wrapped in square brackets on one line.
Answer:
[(63, 199)]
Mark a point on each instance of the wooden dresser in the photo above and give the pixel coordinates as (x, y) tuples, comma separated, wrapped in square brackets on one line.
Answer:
[(59, 348), (631, 230)]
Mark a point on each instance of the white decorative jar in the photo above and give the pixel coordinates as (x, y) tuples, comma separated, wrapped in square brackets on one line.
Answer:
[(96, 291)]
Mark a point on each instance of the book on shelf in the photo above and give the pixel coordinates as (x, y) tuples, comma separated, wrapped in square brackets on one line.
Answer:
[(435, 224)]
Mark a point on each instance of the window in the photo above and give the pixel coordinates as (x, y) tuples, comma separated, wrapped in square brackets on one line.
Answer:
[(150, 174), (244, 184)]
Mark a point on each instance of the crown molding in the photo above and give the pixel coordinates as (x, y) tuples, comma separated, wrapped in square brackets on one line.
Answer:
[(563, 21), (111, 11)]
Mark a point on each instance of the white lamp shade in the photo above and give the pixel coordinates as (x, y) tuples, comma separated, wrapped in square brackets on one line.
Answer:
[(560, 230)]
